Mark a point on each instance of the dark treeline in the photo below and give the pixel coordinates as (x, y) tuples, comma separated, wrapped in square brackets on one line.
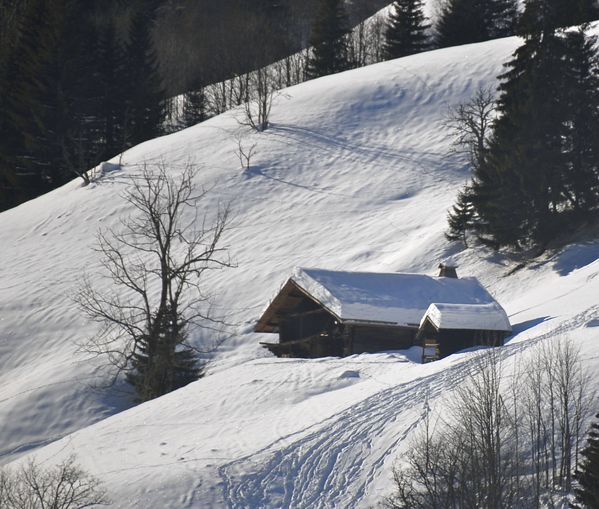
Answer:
[(469, 21), (79, 83), (82, 80), (201, 41)]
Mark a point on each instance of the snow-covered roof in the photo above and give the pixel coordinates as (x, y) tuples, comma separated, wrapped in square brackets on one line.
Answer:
[(490, 317), (395, 298)]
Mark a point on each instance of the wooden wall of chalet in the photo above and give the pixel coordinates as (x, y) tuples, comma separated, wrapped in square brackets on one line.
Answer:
[(305, 324), (324, 338), (371, 339), (452, 340)]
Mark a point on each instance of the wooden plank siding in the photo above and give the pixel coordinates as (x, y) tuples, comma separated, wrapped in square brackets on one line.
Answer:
[(453, 340), (341, 341), (371, 339)]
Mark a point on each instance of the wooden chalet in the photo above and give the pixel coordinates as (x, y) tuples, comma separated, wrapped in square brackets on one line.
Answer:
[(447, 328), (321, 313)]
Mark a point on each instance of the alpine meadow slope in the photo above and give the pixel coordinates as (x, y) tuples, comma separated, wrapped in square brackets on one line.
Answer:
[(355, 173)]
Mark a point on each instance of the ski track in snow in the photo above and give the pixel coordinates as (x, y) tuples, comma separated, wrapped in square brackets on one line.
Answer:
[(322, 468), (307, 472)]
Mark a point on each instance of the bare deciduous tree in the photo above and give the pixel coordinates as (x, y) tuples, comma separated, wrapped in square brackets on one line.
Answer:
[(472, 123), (366, 41), (504, 443), (560, 392), (245, 153), (467, 460), (257, 108), (156, 262), (66, 486)]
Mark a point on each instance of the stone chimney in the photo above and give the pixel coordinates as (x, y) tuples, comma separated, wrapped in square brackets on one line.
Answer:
[(447, 271)]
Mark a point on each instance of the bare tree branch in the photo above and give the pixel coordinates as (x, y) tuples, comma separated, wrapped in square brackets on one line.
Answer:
[(155, 262), (472, 125), (65, 486), (258, 105)]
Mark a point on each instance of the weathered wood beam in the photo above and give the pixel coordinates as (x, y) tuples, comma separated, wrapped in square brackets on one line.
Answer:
[(301, 314)]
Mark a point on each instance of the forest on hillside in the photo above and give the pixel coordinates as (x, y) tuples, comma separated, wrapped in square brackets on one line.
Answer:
[(81, 81)]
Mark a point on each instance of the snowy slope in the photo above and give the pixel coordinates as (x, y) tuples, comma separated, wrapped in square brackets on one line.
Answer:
[(353, 175)]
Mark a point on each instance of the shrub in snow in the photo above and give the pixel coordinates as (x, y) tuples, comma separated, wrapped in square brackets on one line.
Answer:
[(65, 486), (510, 439)]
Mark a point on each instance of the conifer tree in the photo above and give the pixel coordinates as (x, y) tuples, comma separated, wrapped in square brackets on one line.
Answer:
[(194, 107), (21, 101), (406, 32), (50, 108), (164, 361), (551, 14), (328, 40), (112, 74), (581, 147), (64, 94), (469, 21), (460, 218), (501, 18), (145, 112), (587, 473), (461, 22), (526, 151), (72, 130), (540, 174)]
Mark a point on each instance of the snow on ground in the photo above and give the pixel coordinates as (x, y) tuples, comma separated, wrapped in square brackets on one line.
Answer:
[(353, 175)]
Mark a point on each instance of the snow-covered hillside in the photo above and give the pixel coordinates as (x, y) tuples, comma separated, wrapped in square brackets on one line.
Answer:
[(354, 174)]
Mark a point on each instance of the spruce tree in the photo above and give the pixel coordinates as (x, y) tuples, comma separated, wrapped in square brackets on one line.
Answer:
[(539, 176), (11, 140), (469, 21), (581, 144), (21, 102), (164, 361), (50, 111), (461, 217), (587, 472), (551, 14), (145, 112), (501, 18), (461, 22), (525, 158), (73, 94), (194, 107), (328, 40), (112, 74), (406, 31), (62, 92)]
